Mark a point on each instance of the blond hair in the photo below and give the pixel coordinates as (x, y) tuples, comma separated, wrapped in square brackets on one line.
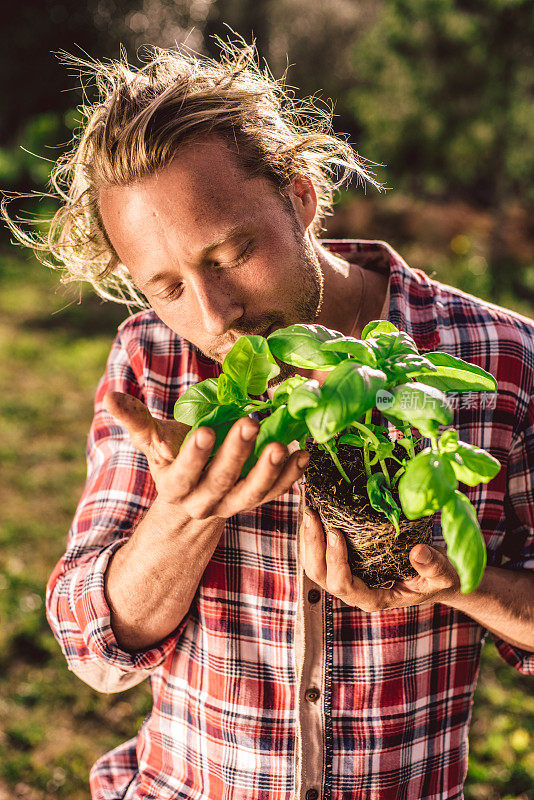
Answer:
[(140, 120)]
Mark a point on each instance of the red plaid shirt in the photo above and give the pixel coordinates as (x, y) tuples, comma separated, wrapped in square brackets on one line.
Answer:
[(232, 715)]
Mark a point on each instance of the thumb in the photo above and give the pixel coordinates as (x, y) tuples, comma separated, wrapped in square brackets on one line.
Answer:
[(433, 564), (134, 416)]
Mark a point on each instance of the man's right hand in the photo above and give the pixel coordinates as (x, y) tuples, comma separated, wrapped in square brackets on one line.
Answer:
[(179, 474)]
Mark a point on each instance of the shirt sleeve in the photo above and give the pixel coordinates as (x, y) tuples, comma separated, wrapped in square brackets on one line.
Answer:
[(117, 494), (518, 545)]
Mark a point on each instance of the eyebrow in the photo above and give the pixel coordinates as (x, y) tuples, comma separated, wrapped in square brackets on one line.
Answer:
[(232, 233)]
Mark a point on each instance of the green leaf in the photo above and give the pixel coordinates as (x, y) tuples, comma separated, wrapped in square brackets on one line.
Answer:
[(279, 426), (285, 389), (392, 346), (382, 500), (361, 351), (455, 375), (448, 441), (300, 345), (347, 393), (426, 485), (472, 465), (378, 326), (406, 365), (304, 397), (220, 420), (421, 406), (384, 450), (351, 438), (229, 392), (250, 364), (197, 401), (465, 545)]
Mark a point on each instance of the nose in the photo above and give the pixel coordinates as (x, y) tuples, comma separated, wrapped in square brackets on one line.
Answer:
[(218, 310)]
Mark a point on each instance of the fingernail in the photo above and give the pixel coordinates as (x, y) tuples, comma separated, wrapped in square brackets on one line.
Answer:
[(332, 538), (277, 458), (307, 519), (203, 438), (424, 555), (248, 432), (303, 460)]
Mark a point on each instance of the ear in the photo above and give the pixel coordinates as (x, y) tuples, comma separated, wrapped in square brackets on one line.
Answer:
[(304, 199)]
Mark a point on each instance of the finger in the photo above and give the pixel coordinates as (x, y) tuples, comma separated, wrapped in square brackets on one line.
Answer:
[(265, 481), (291, 472), (134, 416), (185, 472), (222, 474), (171, 435), (434, 565), (312, 533), (339, 578)]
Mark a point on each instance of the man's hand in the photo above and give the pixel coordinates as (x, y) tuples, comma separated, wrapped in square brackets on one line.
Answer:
[(178, 474), (327, 565)]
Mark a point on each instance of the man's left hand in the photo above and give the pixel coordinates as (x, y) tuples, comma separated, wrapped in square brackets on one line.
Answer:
[(326, 563)]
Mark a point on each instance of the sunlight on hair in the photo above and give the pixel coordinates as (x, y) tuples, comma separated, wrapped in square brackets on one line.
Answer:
[(137, 125)]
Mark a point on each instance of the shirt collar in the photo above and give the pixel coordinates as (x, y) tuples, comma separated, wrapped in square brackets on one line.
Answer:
[(412, 302)]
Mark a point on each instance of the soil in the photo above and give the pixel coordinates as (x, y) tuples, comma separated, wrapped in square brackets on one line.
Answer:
[(376, 554)]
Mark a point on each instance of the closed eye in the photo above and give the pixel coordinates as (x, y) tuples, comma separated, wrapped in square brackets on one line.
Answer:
[(176, 292), (239, 260)]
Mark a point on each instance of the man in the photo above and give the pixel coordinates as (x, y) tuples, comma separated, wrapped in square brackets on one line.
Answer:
[(275, 673)]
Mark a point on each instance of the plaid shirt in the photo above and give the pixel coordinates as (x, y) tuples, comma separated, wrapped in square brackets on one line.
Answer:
[(233, 716)]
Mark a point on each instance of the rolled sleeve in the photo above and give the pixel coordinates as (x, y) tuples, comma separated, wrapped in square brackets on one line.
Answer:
[(518, 543), (118, 492)]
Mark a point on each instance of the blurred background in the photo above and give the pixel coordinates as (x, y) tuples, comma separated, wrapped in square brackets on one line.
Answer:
[(438, 92)]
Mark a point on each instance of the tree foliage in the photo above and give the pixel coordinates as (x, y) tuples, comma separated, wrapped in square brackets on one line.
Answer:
[(445, 97)]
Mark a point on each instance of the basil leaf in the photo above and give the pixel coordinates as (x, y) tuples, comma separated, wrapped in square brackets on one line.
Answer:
[(455, 375), (426, 485), (465, 545), (378, 326), (197, 401), (382, 500), (361, 351), (392, 345), (406, 365), (448, 441), (472, 465), (353, 439), (279, 426), (220, 420), (304, 397), (422, 406), (229, 392), (250, 364), (284, 390), (347, 393), (300, 345)]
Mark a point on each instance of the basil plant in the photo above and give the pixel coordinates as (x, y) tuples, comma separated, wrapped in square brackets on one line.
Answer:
[(383, 369)]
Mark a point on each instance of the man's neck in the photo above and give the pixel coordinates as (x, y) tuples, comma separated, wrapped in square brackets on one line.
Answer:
[(343, 293)]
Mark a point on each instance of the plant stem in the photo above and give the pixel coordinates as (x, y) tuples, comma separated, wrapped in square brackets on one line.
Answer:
[(385, 471), (336, 461), (368, 416), (409, 435)]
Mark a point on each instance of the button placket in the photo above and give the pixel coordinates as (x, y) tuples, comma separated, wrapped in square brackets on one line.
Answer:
[(309, 665)]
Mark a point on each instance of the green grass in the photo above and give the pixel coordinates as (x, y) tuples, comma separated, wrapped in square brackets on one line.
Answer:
[(53, 727)]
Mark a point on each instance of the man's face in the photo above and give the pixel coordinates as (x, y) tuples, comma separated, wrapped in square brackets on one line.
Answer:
[(216, 253)]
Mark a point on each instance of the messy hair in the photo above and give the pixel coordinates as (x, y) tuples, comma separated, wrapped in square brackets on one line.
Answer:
[(140, 120)]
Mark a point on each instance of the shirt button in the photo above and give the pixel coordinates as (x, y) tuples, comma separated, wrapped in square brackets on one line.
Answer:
[(312, 695), (312, 794), (314, 595)]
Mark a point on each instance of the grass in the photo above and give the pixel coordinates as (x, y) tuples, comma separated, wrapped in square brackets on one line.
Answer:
[(53, 727)]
